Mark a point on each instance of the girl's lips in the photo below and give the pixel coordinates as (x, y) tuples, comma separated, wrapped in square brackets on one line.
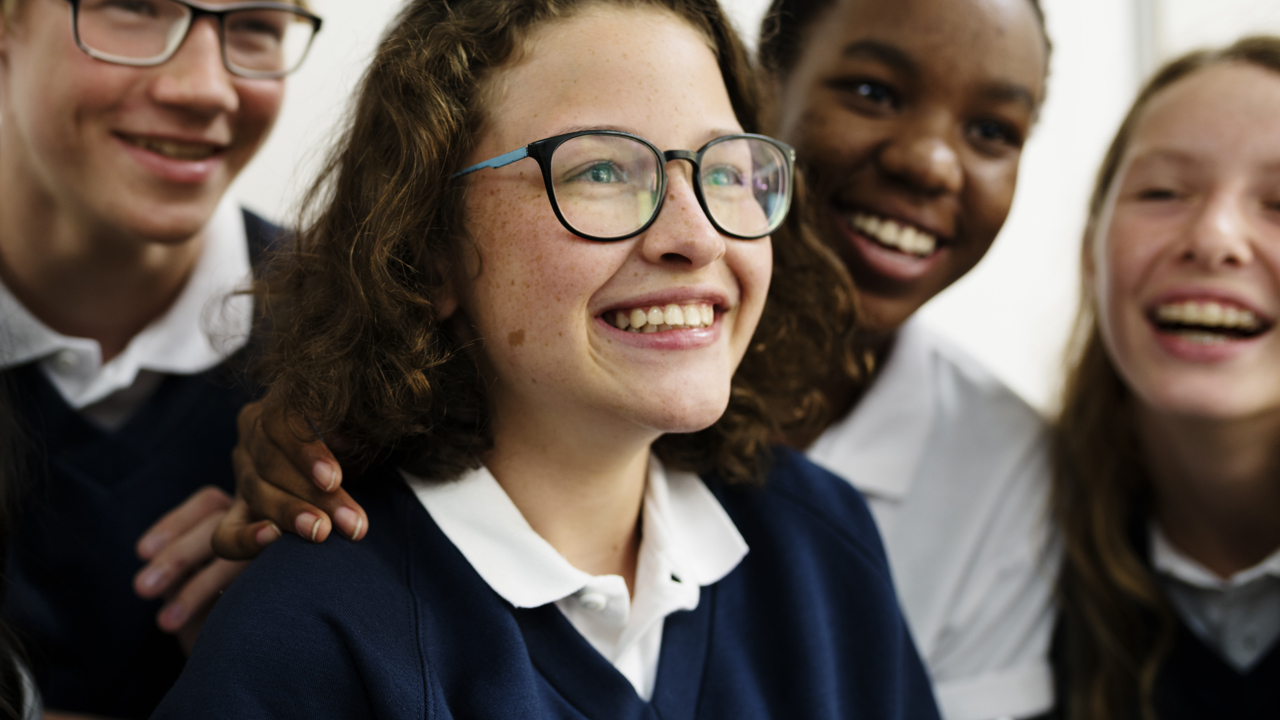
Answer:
[(890, 264), (184, 172), (674, 339), (1183, 346)]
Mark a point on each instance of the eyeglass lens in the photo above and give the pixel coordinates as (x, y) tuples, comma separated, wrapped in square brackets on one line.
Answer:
[(138, 31), (607, 186)]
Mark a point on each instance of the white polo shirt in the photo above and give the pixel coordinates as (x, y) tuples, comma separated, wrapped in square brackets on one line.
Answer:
[(688, 541), (1238, 616), (205, 325), (954, 466)]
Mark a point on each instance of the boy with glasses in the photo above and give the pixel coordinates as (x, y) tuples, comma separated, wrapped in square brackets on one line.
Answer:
[(121, 126)]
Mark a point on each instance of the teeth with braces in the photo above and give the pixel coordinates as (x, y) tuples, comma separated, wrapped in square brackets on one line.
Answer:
[(1208, 314), (174, 150), (894, 234), (657, 319)]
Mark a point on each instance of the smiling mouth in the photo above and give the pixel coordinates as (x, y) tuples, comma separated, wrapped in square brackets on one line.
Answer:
[(657, 318), (1208, 322), (173, 149), (894, 235)]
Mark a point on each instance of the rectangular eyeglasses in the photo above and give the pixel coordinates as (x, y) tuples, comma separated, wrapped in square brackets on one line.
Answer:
[(259, 39), (608, 185)]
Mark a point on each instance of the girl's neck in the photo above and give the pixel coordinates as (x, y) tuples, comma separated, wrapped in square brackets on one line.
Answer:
[(85, 280), (582, 498), (1216, 486), (843, 393)]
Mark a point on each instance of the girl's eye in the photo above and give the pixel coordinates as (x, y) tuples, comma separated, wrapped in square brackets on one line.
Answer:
[(599, 172), (722, 176), (867, 93), (992, 133), (1156, 194)]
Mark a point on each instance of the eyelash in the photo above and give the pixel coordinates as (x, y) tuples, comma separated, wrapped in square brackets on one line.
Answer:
[(1008, 134), (862, 90)]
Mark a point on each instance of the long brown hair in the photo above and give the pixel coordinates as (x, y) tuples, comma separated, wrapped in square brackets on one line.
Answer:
[(357, 345), (1117, 624)]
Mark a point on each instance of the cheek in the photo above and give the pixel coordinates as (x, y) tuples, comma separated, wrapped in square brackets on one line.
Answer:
[(260, 102)]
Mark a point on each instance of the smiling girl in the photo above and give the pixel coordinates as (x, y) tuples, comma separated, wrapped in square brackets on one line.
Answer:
[(1168, 452), (908, 118), (541, 253)]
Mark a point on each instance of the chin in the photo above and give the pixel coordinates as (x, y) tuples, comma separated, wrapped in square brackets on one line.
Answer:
[(690, 414), (1211, 399)]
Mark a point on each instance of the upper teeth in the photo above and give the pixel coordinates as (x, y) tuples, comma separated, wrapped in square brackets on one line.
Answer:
[(174, 149), (1207, 314), (894, 234), (657, 319)]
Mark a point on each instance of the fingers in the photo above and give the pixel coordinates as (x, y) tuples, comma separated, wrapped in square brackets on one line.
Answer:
[(193, 600), (276, 433), (171, 565), (272, 488), (204, 502), (237, 537)]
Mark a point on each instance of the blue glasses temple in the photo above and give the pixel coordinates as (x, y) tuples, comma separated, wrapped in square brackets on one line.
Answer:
[(497, 162)]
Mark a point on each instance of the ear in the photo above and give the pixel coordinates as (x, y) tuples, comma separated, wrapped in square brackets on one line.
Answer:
[(446, 302)]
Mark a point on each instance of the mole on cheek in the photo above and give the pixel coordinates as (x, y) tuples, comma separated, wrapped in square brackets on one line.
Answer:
[(516, 339)]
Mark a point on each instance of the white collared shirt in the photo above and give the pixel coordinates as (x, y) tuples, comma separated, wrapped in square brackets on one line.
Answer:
[(688, 541), (205, 325), (1239, 616), (955, 469)]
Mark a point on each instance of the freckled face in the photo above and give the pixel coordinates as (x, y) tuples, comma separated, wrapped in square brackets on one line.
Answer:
[(144, 151), (909, 118), (1186, 267), (540, 297)]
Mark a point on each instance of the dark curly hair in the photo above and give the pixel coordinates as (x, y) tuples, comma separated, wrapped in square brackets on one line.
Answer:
[(356, 342), (782, 32)]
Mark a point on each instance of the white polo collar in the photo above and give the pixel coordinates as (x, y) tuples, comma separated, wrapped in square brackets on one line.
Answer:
[(683, 522), (879, 446), (201, 329), (1171, 561)]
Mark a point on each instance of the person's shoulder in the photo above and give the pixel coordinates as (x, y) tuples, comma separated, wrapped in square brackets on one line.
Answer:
[(308, 627), (808, 504), (262, 235)]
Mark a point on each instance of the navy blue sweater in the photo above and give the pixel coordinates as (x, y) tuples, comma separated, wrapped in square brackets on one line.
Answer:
[(93, 644), (400, 626)]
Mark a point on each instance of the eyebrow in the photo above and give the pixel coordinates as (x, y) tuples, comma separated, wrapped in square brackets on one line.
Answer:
[(894, 57), (707, 137), (883, 52), (1004, 91)]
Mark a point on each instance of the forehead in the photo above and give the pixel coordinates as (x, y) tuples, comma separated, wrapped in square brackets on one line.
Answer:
[(955, 40), (642, 69), (1222, 114)]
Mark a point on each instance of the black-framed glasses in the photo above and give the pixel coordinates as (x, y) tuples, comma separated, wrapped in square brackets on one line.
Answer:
[(259, 39), (609, 185)]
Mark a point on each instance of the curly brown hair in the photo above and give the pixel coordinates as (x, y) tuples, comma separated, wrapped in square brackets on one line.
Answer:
[(1117, 625), (357, 345)]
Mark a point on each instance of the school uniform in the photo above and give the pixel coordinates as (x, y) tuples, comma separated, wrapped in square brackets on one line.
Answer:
[(1225, 661), (767, 602), (954, 467), (114, 447)]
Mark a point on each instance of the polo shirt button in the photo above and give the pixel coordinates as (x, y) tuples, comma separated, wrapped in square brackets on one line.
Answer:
[(66, 360), (593, 600)]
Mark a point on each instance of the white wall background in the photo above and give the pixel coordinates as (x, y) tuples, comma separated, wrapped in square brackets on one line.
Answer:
[(1014, 310)]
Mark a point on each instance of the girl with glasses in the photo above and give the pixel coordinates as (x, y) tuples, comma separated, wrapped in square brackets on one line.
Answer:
[(1167, 477), (117, 249), (908, 117), (557, 391)]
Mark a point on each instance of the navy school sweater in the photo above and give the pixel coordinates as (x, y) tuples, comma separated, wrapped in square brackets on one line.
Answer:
[(400, 626), (93, 644), (1195, 682)]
